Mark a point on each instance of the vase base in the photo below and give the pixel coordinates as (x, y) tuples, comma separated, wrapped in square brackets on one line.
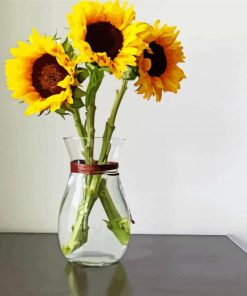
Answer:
[(92, 259)]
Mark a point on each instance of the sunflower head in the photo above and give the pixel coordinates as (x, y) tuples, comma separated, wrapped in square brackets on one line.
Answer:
[(103, 34), (158, 69), (40, 73)]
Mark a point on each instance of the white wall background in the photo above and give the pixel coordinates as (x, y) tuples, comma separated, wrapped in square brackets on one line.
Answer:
[(184, 165)]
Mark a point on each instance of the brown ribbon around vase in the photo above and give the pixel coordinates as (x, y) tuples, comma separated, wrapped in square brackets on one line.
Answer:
[(79, 166)]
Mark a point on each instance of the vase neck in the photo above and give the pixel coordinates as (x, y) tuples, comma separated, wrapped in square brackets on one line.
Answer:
[(76, 148)]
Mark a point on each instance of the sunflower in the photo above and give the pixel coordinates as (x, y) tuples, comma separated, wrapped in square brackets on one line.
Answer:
[(103, 34), (157, 65), (40, 74)]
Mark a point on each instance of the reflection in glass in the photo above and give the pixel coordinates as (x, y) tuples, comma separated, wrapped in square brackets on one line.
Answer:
[(90, 281)]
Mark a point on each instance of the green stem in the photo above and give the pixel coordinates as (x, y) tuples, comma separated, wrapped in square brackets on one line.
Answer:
[(90, 130), (79, 126), (96, 78), (95, 185), (80, 229), (120, 226), (108, 204), (110, 124)]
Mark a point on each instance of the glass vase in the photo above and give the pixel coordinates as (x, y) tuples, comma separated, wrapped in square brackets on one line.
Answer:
[(94, 219)]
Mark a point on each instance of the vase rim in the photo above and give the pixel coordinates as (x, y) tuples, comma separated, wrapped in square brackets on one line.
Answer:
[(79, 138)]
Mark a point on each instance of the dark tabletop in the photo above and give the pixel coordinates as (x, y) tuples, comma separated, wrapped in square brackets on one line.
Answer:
[(154, 265)]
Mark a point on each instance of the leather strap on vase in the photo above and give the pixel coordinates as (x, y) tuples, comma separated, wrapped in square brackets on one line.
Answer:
[(79, 166)]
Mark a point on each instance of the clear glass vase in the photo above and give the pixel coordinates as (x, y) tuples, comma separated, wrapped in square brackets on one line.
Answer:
[(94, 219)]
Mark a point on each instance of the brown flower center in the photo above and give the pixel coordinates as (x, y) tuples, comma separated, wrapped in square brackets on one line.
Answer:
[(104, 37), (158, 59), (46, 75)]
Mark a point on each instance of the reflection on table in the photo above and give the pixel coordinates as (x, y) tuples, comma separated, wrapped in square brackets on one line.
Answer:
[(90, 281)]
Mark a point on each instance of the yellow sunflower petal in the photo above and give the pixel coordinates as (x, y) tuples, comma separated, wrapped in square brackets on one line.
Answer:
[(40, 73), (103, 33), (68, 80), (157, 65)]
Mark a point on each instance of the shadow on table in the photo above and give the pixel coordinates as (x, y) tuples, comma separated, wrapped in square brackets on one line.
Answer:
[(105, 281)]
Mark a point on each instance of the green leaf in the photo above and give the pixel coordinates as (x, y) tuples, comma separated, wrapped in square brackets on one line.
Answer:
[(73, 55), (96, 77), (131, 73), (91, 66), (55, 38), (62, 112), (77, 104), (77, 95), (82, 75), (41, 112), (105, 69), (48, 111), (68, 48)]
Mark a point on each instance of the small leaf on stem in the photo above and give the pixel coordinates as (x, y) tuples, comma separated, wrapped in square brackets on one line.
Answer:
[(68, 48), (131, 73), (82, 75), (77, 95)]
